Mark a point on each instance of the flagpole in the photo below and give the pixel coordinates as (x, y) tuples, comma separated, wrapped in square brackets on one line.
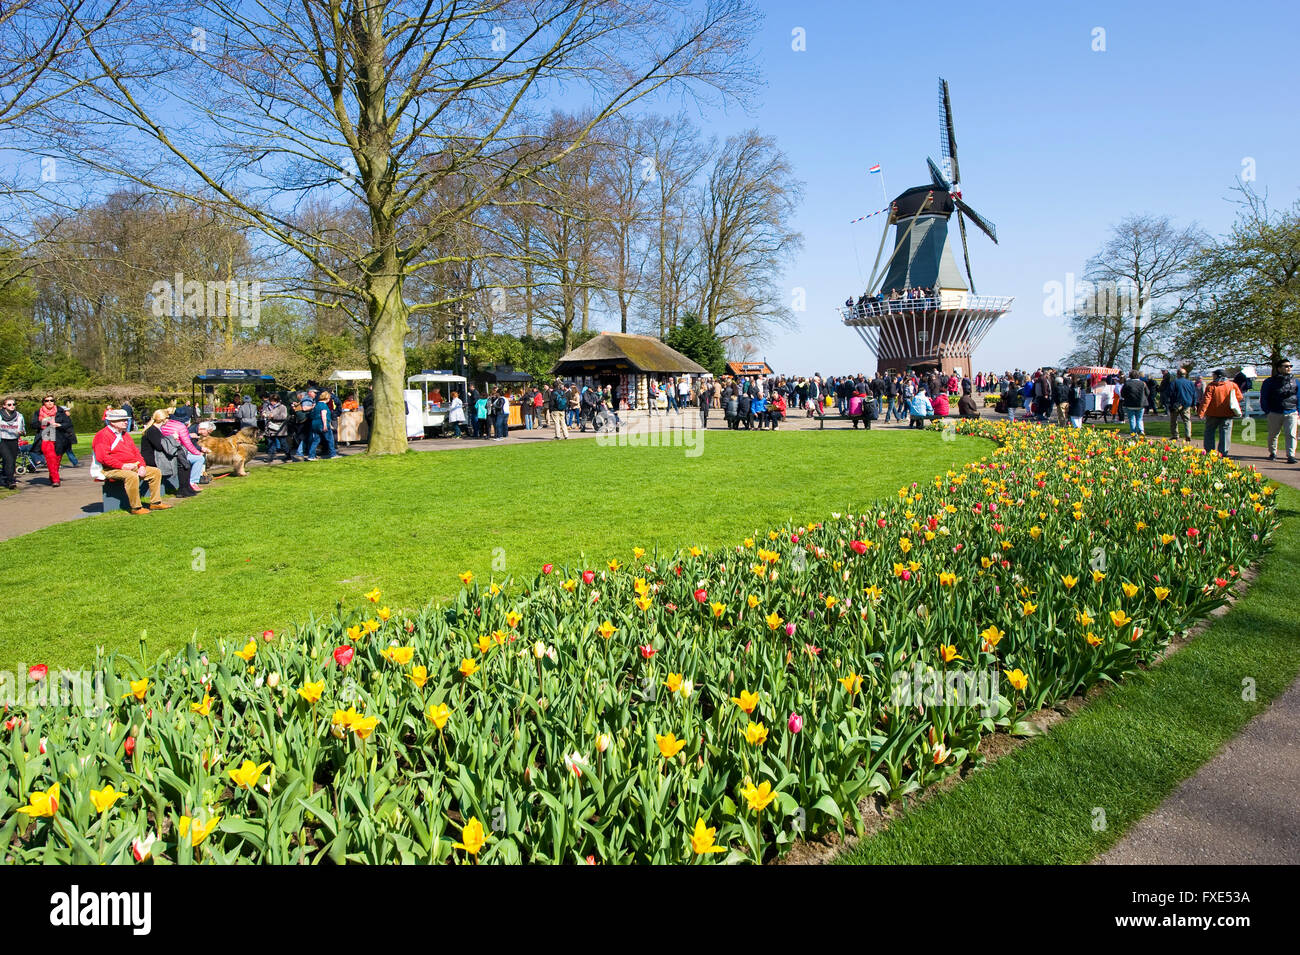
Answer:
[(883, 193)]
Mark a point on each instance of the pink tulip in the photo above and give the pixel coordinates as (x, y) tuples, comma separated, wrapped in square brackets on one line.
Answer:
[(789, 629), (796, 723)]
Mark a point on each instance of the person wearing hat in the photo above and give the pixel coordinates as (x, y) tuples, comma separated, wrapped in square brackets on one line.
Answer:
[(1217, 409), (246, 413), (121, 461), (177, 427)]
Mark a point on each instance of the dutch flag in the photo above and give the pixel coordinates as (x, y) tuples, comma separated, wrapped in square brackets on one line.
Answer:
[(875, 168)]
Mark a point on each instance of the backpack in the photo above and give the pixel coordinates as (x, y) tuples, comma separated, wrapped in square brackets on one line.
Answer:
[(498, 405), (561, 402)]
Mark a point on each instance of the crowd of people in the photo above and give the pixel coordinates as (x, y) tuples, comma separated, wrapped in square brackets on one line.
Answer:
[(306, 426), (888, 299), (1049, 394)]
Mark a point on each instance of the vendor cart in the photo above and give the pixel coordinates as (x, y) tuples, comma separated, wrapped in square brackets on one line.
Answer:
[(435, 389)]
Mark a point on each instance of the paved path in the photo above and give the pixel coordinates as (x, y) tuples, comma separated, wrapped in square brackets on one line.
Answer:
[(1243, 806)]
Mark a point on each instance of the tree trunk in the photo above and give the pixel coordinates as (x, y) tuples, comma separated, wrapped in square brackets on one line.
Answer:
[(386, 345)]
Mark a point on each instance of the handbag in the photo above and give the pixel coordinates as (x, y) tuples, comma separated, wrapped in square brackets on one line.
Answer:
[(1233, 403)]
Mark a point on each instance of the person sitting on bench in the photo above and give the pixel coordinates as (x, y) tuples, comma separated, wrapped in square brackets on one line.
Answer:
[(121, 461), (920, 410)]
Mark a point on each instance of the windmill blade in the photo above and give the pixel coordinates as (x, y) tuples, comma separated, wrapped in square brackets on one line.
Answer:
[(936, 175), (988, 227), (965, 250), (947, 135)]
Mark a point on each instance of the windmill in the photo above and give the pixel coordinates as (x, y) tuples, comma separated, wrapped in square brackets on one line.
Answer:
[(918, 310)]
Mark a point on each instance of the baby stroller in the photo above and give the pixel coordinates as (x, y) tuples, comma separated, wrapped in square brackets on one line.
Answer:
[(28, 461), (604, 418)]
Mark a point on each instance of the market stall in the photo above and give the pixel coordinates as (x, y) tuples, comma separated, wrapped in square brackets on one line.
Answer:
[(434, 389), (353, 428)]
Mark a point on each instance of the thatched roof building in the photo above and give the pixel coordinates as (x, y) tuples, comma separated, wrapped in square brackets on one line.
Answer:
[(614, 353)]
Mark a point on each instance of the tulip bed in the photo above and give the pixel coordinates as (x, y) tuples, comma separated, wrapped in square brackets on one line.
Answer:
[(695, 706)]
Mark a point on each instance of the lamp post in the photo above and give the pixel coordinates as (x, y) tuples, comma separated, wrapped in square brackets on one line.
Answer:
[(462, 331)]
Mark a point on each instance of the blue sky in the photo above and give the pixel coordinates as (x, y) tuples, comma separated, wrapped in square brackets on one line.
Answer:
[(1056, 142)]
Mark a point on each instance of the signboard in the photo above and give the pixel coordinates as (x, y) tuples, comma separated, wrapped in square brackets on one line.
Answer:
[(435, 371), (232, 373)]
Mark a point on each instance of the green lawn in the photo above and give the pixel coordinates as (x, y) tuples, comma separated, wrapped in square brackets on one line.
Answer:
[(1124, 752), (288, 541)]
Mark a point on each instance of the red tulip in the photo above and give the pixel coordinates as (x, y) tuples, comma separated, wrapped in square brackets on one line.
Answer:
[(588, 576), (1220, 582), (38, 672), (648, 651), (1192, 532), (129, 745), (880, 522), (268, 635), (907, 575), (343, 656), (547, 568), (701, 595)]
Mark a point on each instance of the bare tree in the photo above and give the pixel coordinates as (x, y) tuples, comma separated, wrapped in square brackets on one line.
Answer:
[(679, 158), (1248, 306), (267, 105), (745, 237), (1151, 256)]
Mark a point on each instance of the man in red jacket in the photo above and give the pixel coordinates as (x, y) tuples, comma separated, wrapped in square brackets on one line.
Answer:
[(121, 461)]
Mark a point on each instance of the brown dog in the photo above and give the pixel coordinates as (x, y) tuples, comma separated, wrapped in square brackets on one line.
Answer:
[(233, 452)]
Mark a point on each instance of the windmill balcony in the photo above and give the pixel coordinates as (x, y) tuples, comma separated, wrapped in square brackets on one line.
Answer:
[(871, 312)]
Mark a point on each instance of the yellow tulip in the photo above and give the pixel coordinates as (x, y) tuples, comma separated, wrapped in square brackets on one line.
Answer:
[(851, 683), (246, 654), (1069, 581), (669, 745), (1119, 618), (383, 613), (614, 565), (466, 578), (773, 620), (948, 653), (42, 803), (512, 619), (643, 603), (468, 667), (364, 726), (374, 596), (370, 626), (992, 635), (399, 655), (606, 629), (702, 839), (196, 830), (1085, 620), (746, 701), (674, 682), (473, 837), (638, 553), (755, 734), (752, 601), (1130, 590), (246, 776), (758, 797), (1028, 607), (1161, 592), (438, 715), (947, 579), (311, 692), (484, 643), (718, 609), (139, 688), (1098, 576), (103, 799), (1017, 678)]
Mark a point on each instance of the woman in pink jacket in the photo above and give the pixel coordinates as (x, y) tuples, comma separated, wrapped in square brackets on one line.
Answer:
[(177, 426)]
